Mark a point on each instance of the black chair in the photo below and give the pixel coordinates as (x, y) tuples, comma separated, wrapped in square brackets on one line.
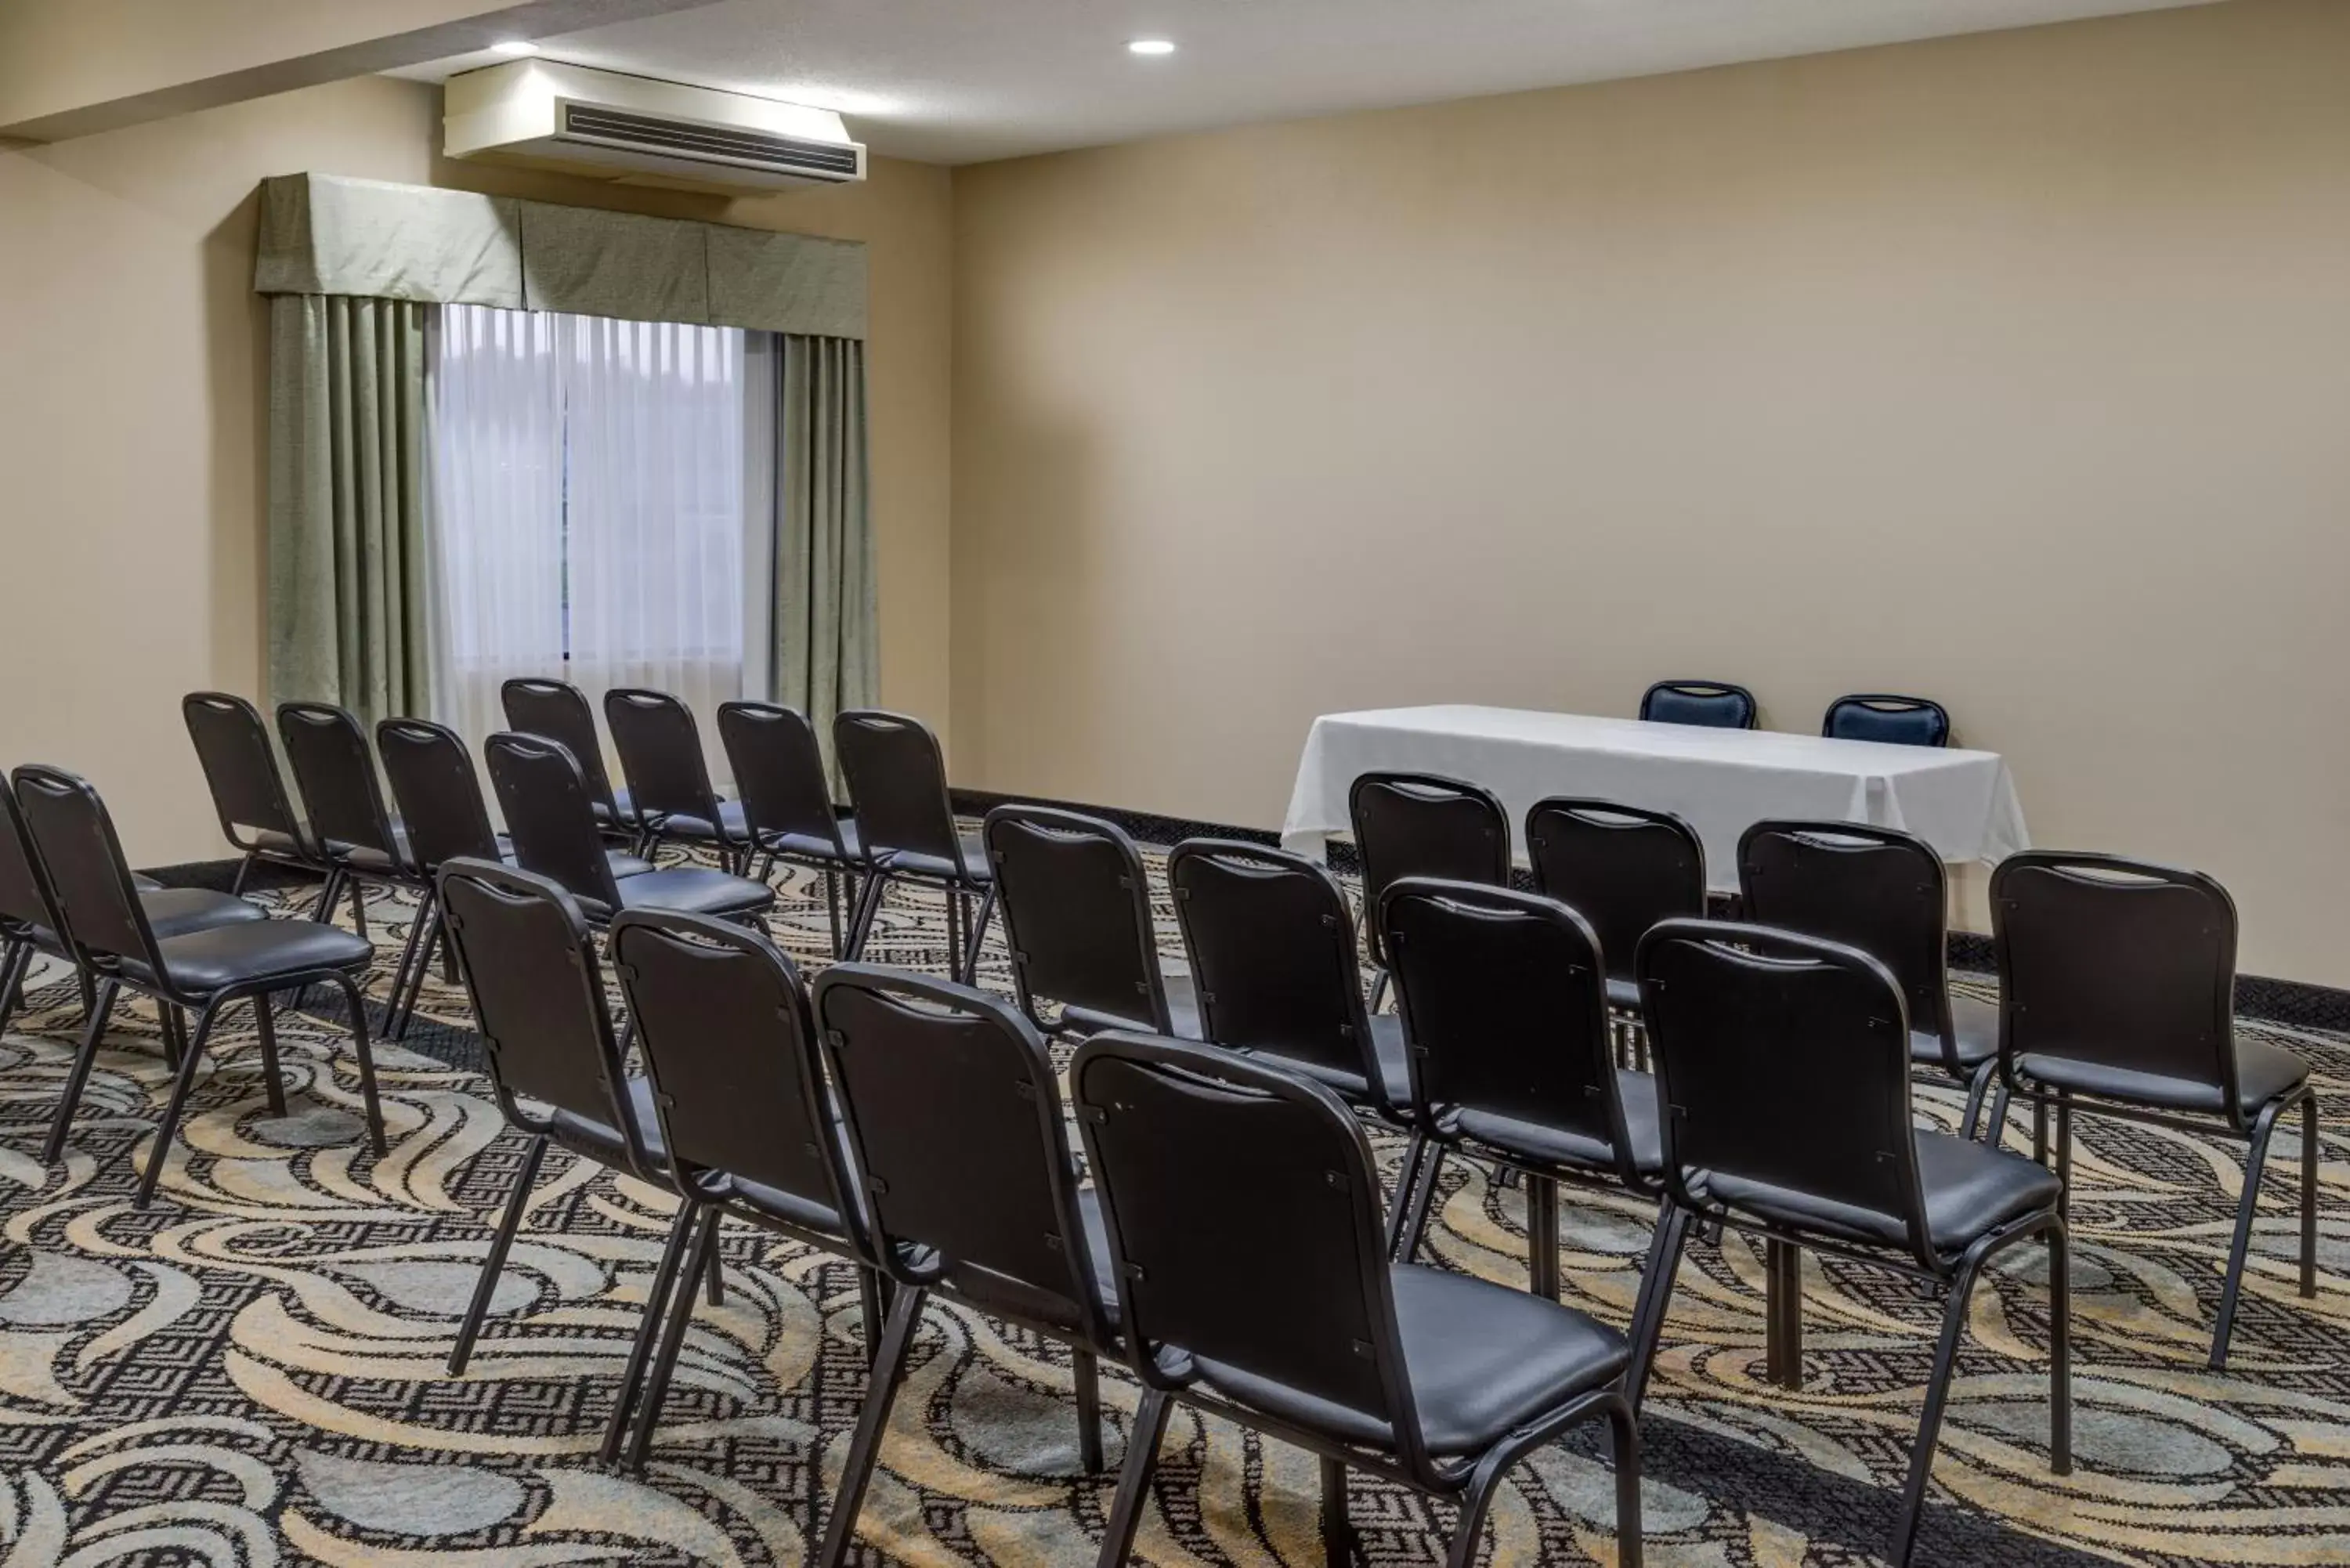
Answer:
[(529, 964), (953, 1117), (1623, 868), (209, 969), (1876, 716), (551, 821), (1419, 825), (32, 924), (898, 786), (1503, 997), (1884, 892), (1783, 1062), (669, 779), (2116, 989), (558, 710), (750, 1129), (787, 801), (1272, 954), (333, 771), (256, 816), (1242, 1211), (1076, 916), (1711, 705)]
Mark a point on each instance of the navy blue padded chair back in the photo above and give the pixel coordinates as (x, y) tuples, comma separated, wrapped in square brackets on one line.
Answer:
[(1076, 915), (897, 781), (661, 754), (1783, 1074), (953, 1115), (779, 772), (558, 710), (1621, 867), (74, 841), (335, 770), (241, 771), (1712, 704), (1875, 889), (437, 793), (550, 815), (1898, 720), (2118, 963)]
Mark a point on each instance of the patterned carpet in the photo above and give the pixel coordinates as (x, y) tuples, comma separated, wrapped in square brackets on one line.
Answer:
[(252, 1372)]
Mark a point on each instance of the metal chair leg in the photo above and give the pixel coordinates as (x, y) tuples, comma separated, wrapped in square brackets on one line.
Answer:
[(1407, 1185), (1337, 1530), (77, 1076), (408, 957), (324, 910), (501, 1240), (1783, 1287), (1542, 1236), (1998, 1117), (2309, 1196), (243, 870), (175, 1033), (1657, 1274), (2060, 1349), (882, 1391), (2064, 1156), (1088, 1392), (831, 904), (656, 1391), (1972, 1122), (1133, 1479), (978, 936), (869, 909), (869, 1310), (1929, 1426), (265, 1025), (1423, 1201), (1469, 1533), (663, 1303), (173, 1107), (13, 969), (2255, 1160), (359, 908), (366, 1054)]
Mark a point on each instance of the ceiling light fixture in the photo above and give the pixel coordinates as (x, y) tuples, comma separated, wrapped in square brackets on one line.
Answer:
[(1151, 46), (515, 46)]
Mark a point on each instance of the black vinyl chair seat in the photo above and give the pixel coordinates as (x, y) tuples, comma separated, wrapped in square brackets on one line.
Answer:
[(2263, 1073), (1484, 1360), (1970, 1188), (248, 952), (1974, 1031), (913, 862), (175, 913), (601, 1141), (398, 862), (688, 890), (1182, 1012), (1559, 1146), (295, 845), (814, 845), (735, 826), (621, 814)]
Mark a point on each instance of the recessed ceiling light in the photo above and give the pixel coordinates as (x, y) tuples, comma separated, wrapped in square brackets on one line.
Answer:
[(513, 46), (1151, 46)]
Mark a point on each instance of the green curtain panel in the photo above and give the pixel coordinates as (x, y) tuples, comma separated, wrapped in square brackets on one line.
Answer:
[(347, 496), (824, 576)]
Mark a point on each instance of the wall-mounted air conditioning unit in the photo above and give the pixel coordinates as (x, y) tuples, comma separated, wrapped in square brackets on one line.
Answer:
[(642, 131)]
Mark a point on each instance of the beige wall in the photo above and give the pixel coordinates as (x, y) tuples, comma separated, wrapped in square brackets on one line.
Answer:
[(2012, 370), (132, 353)]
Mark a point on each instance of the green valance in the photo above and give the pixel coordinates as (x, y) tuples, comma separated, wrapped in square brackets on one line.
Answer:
[(327, 234)]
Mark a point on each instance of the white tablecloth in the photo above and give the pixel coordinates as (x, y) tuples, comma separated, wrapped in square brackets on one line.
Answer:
[(1720, 781)]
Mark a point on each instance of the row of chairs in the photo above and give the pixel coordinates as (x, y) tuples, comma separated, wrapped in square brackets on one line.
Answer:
[(1862, 716)]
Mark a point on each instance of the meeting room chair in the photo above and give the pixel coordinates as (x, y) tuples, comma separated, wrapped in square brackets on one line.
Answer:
[(1710, 704), (1503, 999), (558, 1073), (779, 771), (1786, 1061), (1241, 1208), (752, 1131), (2117, 990), (558, 710), (1898, 720), (953, 1115), (1075, 903), (256, 814), (897, 780), (206, 972), (1623, 868), (1420, 825), (342, 801), (668, 777), (1884, 892)]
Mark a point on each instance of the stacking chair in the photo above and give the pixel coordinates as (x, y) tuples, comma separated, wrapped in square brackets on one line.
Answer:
[(898, 786), (529, 963), (749, 1127), (1273, 954), (1417, 825), (209, 969), (953, 1117), (787, 801), (558, 710), (1711, 705), (551, 820), (1076, 916), (1504, 1006), (2117, 987), (1243, 1212), (333, 771), (1901, 720), (1623, 869), (1881, 892), (256, 816), (1783, 1062), (668, 780)]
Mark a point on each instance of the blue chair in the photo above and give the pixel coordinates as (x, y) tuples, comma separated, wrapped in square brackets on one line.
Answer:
[(1899, 720), (1708, 703)]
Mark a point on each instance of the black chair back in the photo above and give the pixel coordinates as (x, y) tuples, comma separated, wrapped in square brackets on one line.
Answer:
[(953, 1115), (1243, 1207), (1712, 704), (779, 773), (730, 1048), (2115, 962), (1900, 721), (530, 969), (335, 770), (232, 746), (438, 792), (898, 786), (73, 839), (1504, 1002), (558, 710), (1621, 867), (661, 754), (26, 897), (1873, 888), (1782, 1063), (1419, 825), (1076, 915), (550, 815), (1272, 949)]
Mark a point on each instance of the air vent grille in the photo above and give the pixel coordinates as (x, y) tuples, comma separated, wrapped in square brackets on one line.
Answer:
[(707, 144)]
